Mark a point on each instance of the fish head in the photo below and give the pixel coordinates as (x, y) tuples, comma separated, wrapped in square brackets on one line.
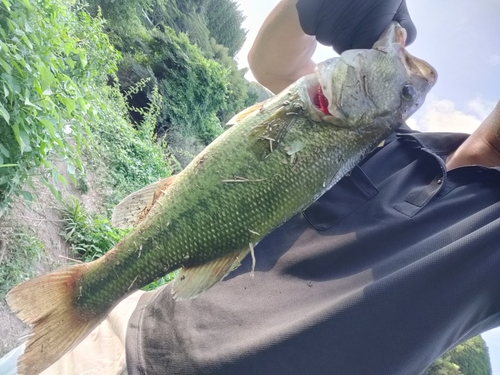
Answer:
[(384, 84)]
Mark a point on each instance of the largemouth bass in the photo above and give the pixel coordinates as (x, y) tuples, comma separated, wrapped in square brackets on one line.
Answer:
[(276, 159)]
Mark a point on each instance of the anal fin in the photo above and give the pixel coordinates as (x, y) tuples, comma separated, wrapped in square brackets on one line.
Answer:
[(192, 281)]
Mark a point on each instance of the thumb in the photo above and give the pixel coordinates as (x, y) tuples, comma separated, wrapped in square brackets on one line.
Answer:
[(403, 18)]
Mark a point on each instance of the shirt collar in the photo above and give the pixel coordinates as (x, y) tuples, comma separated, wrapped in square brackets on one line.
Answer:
[(437, 143), (440, 144)]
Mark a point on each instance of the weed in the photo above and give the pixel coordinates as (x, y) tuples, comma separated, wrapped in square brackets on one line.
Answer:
[(19, 251), (91, 236), (82, 185)]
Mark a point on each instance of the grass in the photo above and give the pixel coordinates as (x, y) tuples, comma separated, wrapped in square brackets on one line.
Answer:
[(91, 236), (18, 255)]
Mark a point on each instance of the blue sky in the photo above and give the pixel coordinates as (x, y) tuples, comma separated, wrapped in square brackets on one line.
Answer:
[(461, 39)]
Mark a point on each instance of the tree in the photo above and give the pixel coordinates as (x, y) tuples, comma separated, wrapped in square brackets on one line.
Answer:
[(469, 358), (472, 356), (443, 367), (224, 20)]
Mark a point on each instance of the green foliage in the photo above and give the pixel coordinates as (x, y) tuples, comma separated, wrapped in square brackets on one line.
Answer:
[(131, 156), (469, 358), (176, 47), (160, 282), (124, 13), (239, 91), (17, 257), (90, 236), (472, 356), (51, 59), (193, 88), (224, 20), (443, 367), (259, 92)]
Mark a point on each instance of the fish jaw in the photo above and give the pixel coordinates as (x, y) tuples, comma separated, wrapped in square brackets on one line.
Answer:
[(362, 86), (421, 75)]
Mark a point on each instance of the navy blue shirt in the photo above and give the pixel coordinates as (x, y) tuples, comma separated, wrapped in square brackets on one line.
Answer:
[(396, 264)]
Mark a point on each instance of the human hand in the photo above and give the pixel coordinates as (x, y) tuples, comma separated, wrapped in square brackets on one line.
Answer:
[(348, 24), (482, 147)]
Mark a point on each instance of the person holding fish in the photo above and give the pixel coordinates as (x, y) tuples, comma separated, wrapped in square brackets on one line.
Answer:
[(393, 265)]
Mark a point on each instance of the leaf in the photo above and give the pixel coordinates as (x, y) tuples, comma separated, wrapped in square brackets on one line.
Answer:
[(82, 103), (55, 191), (22, 138), (83, 59), (13, 84), (49, 126), (71, 169), (27, 195), (6, 66), (7, 4), (4, 113), (62, 179), (29, 103), (68, 47), (27, 4), (68, 103), (46, 77), (4, 151)]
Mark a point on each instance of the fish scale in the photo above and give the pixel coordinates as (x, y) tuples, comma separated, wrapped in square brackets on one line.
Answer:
[(276, 159), (193, 236)]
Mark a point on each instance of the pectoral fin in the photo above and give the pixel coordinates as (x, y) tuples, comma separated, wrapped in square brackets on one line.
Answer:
[(267, 136), (192, 281), (136, 206)]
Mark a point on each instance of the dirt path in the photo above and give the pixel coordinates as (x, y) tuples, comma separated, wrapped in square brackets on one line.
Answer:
[(43, 218)]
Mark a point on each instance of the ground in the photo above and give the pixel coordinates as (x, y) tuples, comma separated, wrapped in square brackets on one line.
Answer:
[(43, 217)]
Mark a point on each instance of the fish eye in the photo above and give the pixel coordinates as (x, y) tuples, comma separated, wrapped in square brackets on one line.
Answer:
[(408, 93)]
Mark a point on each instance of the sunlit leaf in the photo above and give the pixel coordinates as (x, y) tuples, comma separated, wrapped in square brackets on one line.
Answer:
[(4, 113)]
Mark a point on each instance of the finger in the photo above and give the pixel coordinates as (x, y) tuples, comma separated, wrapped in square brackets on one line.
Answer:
[(403, 17)]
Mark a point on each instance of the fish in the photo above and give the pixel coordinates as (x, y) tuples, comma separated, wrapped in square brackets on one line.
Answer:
[(275, 159)]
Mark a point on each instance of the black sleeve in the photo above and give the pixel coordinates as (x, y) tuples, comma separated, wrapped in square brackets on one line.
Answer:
[(347, 24)]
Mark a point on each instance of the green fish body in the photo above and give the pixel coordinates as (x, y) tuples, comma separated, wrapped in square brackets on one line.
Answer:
[(273, 162)]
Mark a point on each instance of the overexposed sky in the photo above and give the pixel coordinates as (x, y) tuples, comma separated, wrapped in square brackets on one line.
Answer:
[(461, 39)]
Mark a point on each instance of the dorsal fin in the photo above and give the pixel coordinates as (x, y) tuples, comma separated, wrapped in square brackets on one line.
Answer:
[(245, 113), (136, 206), (191, 281)]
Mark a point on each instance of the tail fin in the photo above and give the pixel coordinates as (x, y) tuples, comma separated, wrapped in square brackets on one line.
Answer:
[(46, 304)]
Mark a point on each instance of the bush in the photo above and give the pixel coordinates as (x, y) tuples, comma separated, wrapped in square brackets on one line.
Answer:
[(126, 157), (193, 88), (51, 60)]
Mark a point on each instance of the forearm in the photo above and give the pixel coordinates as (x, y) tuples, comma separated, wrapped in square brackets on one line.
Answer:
[(282, 52)]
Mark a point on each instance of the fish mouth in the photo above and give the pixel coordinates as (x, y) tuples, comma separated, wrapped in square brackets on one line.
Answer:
[(316, 95), (320, 101), (396, 35), (420, 68)]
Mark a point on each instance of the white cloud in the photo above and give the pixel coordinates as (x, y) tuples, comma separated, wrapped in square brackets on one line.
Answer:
[(480, 107), (443, 116)]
